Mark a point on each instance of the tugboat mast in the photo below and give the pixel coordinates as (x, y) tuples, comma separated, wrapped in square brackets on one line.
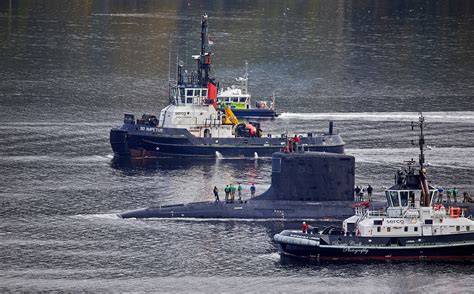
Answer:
[(421, 142), (204, 62)]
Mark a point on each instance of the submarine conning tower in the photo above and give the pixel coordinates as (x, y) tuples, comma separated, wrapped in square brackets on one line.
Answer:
[(311, 176)]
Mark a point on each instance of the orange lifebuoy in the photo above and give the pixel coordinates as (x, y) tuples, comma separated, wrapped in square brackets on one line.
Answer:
[(455, 212)]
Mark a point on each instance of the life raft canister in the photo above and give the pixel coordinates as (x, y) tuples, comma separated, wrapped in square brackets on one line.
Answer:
[(455, 212)]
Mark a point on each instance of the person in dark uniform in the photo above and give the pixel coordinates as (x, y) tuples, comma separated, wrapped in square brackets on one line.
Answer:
[(357, 194), (216, 193), (252, 190), (227, 191), (369, 192), (455, 195)]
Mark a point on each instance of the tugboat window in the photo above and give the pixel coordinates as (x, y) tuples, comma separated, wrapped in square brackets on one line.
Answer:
[(243, 99), (406, 229), (468, 228), (394, 196), (412, 199), (404, 198), (197, 92), (458, 228), (388, 229), (235, 99), (379, 229), (415, 229), (204, 93), (189, 93), (189, 100), (387, 195)]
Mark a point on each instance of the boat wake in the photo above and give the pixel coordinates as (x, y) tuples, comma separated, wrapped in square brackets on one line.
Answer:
[(442, 117), (451, 157), (106, 216), (123, 14), (274, 256), (65, 159)]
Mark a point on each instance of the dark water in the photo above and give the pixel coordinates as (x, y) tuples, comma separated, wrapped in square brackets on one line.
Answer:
[(69, 69)]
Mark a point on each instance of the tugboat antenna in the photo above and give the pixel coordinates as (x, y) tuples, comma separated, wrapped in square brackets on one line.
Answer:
[(169, 74), (169, 61), (245, 79), (422, 141)]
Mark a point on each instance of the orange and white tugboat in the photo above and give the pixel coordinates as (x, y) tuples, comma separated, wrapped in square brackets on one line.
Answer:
[(414, 226)]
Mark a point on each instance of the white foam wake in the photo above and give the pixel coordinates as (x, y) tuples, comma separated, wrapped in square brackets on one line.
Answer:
[(448, 116)]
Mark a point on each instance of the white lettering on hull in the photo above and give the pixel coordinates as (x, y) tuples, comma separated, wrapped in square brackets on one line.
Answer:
[(150, 129), (356, 251)]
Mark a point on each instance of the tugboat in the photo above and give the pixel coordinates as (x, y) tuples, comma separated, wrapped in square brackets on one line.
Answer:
[(192, 126), (414, 226), (238, 99)]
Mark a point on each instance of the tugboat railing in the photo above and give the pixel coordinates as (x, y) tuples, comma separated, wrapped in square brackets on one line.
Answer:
[(410, 212), (214, 122), (364, 214), (378, 212)]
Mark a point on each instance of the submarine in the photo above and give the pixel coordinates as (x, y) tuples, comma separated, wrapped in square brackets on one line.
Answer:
[(304, 185)]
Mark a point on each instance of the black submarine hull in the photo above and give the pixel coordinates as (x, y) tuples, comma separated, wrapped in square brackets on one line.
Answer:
[(305, 185), (251, 209)]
